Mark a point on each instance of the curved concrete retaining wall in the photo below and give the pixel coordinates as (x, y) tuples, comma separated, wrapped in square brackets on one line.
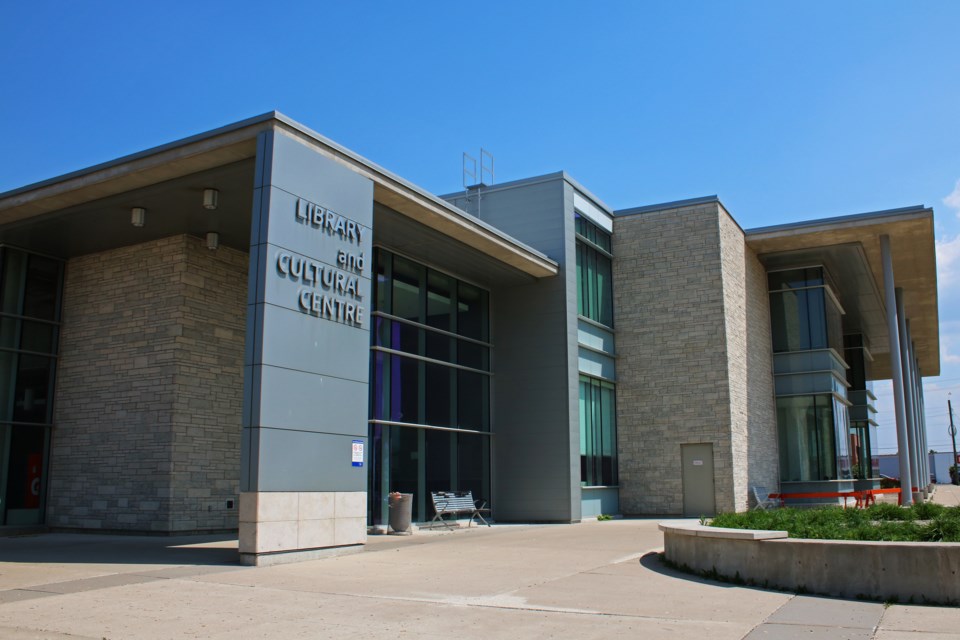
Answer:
[(894, 571)]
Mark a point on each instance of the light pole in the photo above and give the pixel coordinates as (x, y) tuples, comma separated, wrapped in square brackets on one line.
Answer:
[(953, 436)]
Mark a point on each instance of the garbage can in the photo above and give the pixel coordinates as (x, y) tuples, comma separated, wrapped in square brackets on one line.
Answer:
[(401, 512)]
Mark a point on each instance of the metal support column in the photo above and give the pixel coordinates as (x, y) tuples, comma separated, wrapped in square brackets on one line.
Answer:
[(915, 409), (922, 420), (896, 370), (924, 471), (921, 432), (905, 359)]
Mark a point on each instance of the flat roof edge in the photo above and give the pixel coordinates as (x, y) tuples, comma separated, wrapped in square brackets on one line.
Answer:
[(588, 194), (856, 218), (277, 117), (307, 131), (236, 126), (546, 177), (512, 184), (663, 206)]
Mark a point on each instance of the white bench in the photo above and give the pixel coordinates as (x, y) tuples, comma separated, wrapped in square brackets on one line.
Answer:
[(764, 501), (455, 503)]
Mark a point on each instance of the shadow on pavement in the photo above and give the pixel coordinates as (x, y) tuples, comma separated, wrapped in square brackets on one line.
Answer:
[(78, 548), (655, 563)]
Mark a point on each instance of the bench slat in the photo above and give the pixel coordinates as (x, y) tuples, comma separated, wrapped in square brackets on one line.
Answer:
[(457, 502)]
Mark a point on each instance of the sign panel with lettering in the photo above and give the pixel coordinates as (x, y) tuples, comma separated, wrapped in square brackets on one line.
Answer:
[(306, 388), (356, 453), (328, 286)]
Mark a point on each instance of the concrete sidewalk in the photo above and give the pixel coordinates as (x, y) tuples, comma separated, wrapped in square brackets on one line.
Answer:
[(592, 580), (946, 494)]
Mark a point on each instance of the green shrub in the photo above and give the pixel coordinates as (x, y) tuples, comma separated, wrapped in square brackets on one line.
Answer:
[(897, 532), (927, 510), (942, 528), (887, 511), (881, 522)]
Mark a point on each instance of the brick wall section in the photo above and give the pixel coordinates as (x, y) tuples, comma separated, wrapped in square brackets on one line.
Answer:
[(672, 369), (149, 384), (749, 365), (763, 452), (733, 264), (208, 388)]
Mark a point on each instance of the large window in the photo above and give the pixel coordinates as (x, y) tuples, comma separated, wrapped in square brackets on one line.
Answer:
[(861, 457), (29, 326), (430, 391), (804, 315), (813, 438), (431, 360), (594, 272), (598, 433)]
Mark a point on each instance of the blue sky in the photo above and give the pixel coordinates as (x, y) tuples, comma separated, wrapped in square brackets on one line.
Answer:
[(786, 110)]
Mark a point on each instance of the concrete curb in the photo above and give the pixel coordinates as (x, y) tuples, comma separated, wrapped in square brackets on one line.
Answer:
[(921, 572)]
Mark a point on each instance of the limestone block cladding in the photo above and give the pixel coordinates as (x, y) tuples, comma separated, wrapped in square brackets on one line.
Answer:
[(695, 357), (753, 416), (150, 388), (284, 520)]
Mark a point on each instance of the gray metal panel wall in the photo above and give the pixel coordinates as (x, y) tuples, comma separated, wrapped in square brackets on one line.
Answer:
[(305, 377), (535, 462)]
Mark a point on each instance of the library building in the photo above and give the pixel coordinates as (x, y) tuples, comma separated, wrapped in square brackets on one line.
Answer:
[(255, 329)]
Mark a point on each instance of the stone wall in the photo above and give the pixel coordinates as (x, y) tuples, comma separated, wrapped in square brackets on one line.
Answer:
[(749, 366), (672, 368), (207, 410), (146, 430), (763, 455)]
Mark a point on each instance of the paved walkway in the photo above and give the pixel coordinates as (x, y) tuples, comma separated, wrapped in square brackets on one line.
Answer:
[(946, 494), (592, 580)]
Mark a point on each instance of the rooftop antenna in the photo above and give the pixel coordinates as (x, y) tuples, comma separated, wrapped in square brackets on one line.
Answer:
[(477, 174), (486, 167), (469, 171)]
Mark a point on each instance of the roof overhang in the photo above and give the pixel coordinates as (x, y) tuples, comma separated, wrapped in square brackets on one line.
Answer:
[(234, 143), (850, 248)]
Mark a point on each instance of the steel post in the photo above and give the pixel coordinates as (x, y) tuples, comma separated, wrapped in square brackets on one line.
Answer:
[(896, 370)]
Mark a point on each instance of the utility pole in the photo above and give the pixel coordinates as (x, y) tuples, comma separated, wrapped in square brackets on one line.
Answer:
[(953, 436)]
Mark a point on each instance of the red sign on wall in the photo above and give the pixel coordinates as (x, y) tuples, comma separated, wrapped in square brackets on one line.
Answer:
[(31, 500)]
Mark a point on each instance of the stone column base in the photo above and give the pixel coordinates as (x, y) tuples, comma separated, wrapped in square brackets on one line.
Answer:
[(290, 526)]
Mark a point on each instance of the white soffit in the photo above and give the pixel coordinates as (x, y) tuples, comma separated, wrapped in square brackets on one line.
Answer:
[(592, 212)]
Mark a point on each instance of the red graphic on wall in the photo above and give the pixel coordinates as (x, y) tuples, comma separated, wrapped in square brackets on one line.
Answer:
[(31, 499)]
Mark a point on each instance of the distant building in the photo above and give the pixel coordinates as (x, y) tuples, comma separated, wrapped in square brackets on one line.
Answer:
[(939, 464), (256, 328)]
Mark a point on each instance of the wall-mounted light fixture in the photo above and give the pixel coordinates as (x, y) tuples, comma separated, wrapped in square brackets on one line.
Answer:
[(213, 240), (210, 198), (138, 216)]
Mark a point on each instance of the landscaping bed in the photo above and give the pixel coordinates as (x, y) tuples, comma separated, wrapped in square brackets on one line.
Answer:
[(921, 522)]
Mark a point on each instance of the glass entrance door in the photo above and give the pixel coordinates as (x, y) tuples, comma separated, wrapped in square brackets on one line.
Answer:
[(421, 460), (430, 386), (22, 466), (30, 291)]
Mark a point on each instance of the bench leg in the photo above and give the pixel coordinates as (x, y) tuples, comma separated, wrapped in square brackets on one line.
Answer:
[(436, 516)]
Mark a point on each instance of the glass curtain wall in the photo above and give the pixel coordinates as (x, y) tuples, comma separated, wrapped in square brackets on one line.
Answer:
[(864, 465), (594, 272), (861, 459), (804, 316), (598, 433), (808, 449), (30, 289), (598, 423), (813, 429), (430, 386)]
